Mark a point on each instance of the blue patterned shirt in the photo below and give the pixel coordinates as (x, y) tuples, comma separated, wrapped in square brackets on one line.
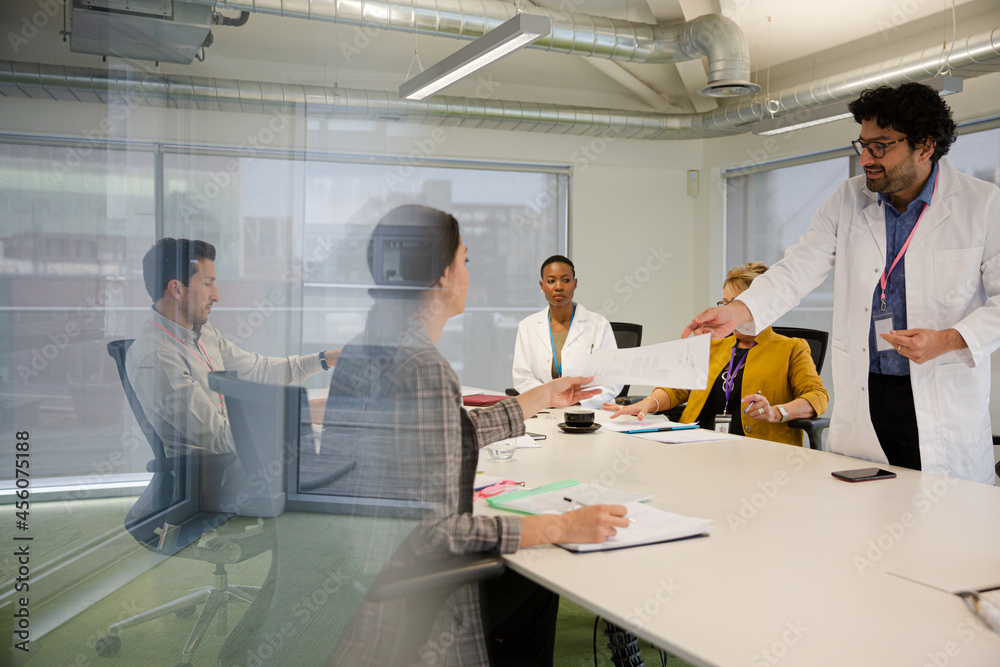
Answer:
[(897, 229)]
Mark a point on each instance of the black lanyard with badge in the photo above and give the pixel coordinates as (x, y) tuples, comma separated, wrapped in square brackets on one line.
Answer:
[(723, 421)]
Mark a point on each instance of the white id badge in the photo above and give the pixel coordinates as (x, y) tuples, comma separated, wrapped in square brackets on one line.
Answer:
[(722, 423), (883, 325)]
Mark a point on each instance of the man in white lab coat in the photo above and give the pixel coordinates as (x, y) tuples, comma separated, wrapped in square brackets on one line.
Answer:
[(916, 311)]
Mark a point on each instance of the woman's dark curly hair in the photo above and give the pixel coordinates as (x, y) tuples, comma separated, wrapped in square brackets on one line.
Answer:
[(913, 109)]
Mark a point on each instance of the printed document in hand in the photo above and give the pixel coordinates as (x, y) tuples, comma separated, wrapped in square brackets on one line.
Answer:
[(650, 526), (679, 364)]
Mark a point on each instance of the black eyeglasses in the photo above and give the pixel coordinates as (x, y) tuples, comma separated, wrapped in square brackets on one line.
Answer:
[(876, 148), (724, 302)]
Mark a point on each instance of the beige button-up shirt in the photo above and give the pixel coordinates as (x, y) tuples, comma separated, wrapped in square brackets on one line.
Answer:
[(168, 367)]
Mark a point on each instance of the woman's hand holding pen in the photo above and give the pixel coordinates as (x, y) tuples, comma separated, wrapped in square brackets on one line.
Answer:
[(759, 408), (591, 524)]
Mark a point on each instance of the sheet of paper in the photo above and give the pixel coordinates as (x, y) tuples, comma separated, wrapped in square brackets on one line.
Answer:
[(650, 525), (680, 364), (692, 435), (522, 442), (554, 502), (628, 424)]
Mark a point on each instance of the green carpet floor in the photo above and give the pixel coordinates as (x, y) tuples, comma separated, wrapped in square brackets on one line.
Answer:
[(327, 539), (575, 641)]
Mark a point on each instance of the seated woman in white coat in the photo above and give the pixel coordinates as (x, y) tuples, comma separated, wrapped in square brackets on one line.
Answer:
[(556, 341)]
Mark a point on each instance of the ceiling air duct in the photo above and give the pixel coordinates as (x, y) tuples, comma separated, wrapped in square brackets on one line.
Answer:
[(169, 31)]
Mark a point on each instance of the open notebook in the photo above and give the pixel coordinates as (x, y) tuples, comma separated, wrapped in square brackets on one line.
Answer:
[(649, 525)]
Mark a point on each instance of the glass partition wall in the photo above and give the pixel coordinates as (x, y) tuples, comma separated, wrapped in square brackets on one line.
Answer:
[(291, 231)]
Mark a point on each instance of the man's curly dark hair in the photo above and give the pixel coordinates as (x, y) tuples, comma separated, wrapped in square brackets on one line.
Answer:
[(913, 109)]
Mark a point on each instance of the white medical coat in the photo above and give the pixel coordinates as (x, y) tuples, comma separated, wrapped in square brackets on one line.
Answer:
[(952, 281), (533, 351)]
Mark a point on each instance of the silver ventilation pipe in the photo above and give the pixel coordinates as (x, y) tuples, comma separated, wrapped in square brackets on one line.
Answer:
[(977, 55), (713, 36)]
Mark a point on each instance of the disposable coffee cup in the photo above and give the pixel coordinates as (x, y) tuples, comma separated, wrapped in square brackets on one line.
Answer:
[(579, 418)]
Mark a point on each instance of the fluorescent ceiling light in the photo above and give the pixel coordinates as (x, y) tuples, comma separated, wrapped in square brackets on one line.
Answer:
[(802, 118), (509, 36), (827, 113)]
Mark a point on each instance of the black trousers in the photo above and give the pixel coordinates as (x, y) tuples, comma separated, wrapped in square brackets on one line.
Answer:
[(890, 400), (519, 618)]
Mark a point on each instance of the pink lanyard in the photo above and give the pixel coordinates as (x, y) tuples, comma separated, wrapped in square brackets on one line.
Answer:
[(208, 365), (902, 251)]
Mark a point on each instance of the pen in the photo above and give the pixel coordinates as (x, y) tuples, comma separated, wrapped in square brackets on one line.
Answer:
[(749, 406), (679, 427), (577, 502)]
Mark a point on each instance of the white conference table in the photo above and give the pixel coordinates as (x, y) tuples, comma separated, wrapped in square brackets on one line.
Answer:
[(800, 568)]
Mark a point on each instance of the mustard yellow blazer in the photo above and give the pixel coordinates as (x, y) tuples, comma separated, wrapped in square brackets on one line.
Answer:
[(781, 368)]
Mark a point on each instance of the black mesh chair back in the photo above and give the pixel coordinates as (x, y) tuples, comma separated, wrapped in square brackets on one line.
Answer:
[(818, 341), (118, 350), (627, 335)]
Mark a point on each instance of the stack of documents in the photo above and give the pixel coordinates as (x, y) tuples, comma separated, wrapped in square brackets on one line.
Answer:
[(661, 429), (648, 526)]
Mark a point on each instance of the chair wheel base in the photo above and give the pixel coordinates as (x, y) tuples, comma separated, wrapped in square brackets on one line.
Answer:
[(108, 646)]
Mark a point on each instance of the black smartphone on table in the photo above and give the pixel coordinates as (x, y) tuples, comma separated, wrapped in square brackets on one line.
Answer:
[(535, 436), (863, 474)]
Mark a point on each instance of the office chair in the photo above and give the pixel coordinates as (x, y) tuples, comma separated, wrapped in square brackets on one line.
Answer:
[(626, 335), (996, 443), (814, 427), (171, 487), (426, 587)]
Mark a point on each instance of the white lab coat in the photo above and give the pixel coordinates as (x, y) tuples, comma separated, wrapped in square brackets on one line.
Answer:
[(533, 351), (952, 281)]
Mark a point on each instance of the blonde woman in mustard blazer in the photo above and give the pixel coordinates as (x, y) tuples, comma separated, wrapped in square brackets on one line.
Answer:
[(781, 369)]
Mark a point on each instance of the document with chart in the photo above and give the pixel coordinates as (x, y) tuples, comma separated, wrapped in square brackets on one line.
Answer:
[(680, 364)]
